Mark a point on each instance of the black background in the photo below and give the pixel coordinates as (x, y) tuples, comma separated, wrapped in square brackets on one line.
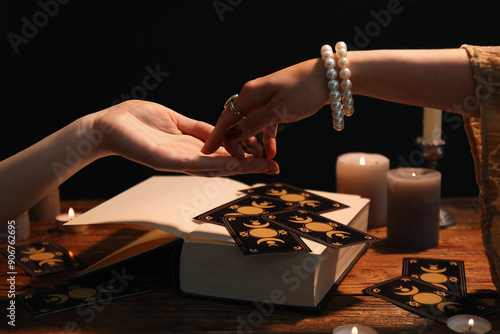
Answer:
[(87, 54)]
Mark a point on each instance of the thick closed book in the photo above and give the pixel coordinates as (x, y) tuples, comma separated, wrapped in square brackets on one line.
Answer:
[(209, 262)]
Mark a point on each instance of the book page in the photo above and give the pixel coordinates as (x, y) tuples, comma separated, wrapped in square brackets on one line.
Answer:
[(167, 203)]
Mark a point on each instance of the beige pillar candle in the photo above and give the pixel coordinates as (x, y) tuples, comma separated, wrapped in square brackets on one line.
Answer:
[(47, 208), (364, 174)]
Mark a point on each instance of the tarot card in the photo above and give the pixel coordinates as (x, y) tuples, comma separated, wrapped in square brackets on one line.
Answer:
[(248, 205), (45, 257), (446, 274), (320, 229), (254, 235), (101, 289), (287, 193), (426, 299)]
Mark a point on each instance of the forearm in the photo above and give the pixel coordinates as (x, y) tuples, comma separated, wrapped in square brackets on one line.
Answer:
[(32, 173), (441, 79)]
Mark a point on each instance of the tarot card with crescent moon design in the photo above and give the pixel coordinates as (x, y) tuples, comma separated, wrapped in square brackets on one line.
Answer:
[(101, 289), (446, 274), (300, 197), (45, 257), (320, 229), (255, 235), (426, 299), (249, 205)]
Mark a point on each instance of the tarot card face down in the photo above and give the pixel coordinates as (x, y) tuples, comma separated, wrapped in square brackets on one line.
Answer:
[(90, 291), (446, 274), (320, 229), (46, 257), (254, 235), (248, 205), (426, 299), (308, 201)]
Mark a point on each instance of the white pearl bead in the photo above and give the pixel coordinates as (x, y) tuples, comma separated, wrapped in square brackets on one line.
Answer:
[(327, 54), (335, 104), (348, 102), (348, 111), (343, 62), (338, 127), (326, 47), (337, 113), (347, 94), (331, 74), (329, 63), (346, 84), (334, 95), (340, 45), (333, 85), (345, 73), (341, 52)]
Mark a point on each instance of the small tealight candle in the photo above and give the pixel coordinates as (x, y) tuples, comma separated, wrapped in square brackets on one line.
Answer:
[(354, 329), (467, 323), (64, 218), (413, 208), (364, 174)]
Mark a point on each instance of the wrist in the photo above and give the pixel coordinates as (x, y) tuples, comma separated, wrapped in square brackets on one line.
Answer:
[(90, 140)]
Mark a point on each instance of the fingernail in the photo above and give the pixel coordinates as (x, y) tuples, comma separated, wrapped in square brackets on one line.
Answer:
[(232, 133)]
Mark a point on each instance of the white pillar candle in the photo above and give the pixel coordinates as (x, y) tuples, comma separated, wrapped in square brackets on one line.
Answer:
[(413, 208), (364, 174), (432, 126)]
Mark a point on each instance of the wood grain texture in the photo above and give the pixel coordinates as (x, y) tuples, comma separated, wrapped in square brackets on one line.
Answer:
[(163, 310)]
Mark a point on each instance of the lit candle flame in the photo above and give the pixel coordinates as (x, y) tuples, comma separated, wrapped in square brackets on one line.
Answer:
[(362, 163), (471, 324), (354, 330), (71, 213), (413, 174)]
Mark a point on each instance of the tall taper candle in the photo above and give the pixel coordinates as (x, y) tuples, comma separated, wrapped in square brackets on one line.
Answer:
[(432, 126)]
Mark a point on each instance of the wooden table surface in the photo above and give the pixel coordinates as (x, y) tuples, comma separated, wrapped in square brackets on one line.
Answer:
[(163, 310)]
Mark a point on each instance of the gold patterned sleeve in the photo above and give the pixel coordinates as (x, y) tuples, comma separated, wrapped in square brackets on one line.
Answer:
[(484, 138)]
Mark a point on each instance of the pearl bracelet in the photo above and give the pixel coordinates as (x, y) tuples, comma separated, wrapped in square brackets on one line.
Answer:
[(342, 104)]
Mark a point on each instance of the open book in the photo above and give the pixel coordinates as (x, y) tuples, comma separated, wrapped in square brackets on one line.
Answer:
[(210, 264)]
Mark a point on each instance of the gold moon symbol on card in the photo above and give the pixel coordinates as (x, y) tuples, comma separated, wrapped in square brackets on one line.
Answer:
[(263, 233), (50, 262), (256, 224), (318, 227), (276, 192), (341, 234), (59, 298), (448, 305), (107, 288), (433, 269), (310, 203), (300, 220), (427, 298), (270, 241), (407, 291), (82, 293), (263, 204), (33, 250)]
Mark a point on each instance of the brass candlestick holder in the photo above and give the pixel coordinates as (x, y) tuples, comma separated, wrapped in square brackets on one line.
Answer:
[(433, 151)]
